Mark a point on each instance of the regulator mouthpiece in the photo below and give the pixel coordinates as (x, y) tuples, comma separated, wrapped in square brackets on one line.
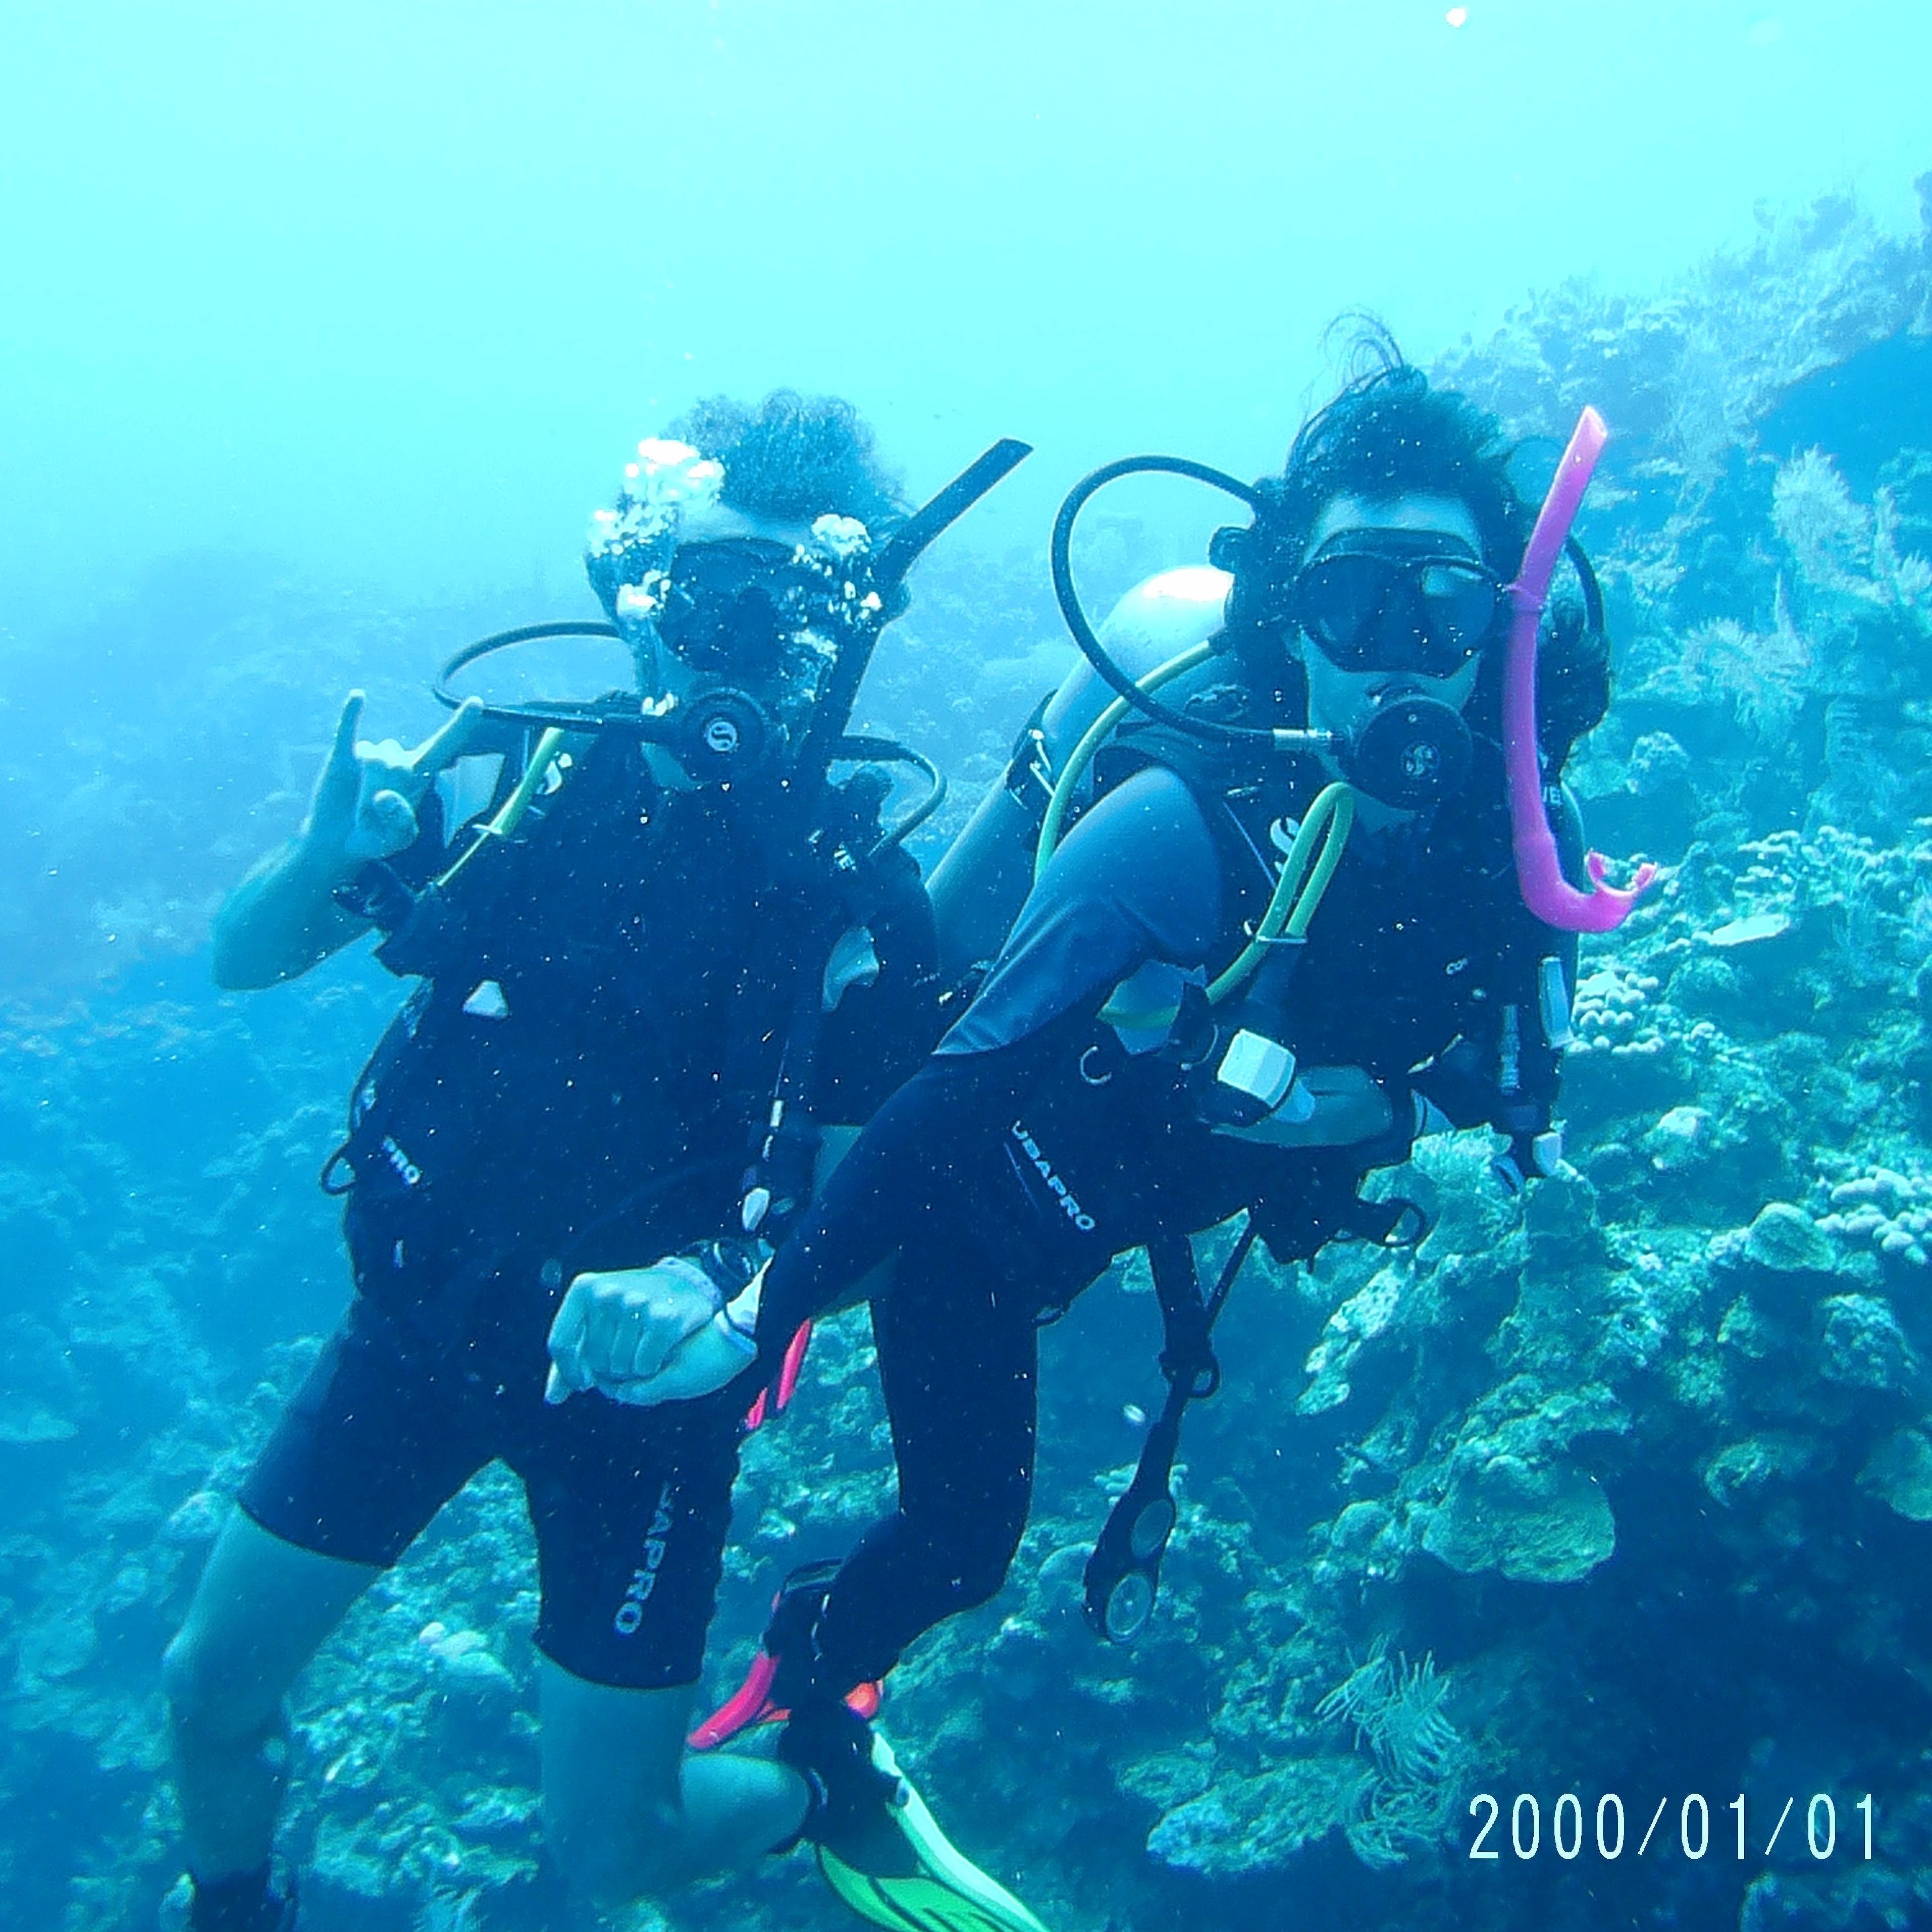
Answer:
[(724, 735), (1413, 752)]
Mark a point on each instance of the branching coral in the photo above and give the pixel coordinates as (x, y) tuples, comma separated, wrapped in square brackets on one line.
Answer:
[(1876, 900)]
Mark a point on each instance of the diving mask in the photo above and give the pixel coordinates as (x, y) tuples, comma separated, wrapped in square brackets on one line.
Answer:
[(730, 607), (735, 635), (747, 636), (1395, 601)]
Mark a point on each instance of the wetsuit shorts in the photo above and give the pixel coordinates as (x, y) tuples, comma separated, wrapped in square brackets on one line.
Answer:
[(412, 1397)]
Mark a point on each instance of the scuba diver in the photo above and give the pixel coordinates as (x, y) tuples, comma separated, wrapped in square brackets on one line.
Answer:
[(1297, 910), (660, 951)]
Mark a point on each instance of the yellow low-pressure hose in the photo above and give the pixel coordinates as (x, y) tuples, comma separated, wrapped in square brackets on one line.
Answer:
[(1317, 850), (1329, 820), (1291, 906), (509, 814), (1064, 787)]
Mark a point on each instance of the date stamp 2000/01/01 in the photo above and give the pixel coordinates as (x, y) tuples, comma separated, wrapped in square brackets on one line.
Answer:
[(1698, 1834)]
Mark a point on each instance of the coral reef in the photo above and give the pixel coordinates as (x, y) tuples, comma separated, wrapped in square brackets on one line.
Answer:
[(1638, 1470)]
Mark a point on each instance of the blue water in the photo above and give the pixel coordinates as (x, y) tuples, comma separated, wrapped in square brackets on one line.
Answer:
[(386, 291)]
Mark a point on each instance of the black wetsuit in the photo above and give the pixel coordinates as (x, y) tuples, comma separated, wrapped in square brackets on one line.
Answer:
[(1030, 1148), (580, 1081)]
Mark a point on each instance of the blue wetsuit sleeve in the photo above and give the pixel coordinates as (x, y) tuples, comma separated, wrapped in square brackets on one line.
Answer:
[(1138, 879)]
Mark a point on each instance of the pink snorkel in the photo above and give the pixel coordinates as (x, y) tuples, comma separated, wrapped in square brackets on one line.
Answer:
[(1539, 875)]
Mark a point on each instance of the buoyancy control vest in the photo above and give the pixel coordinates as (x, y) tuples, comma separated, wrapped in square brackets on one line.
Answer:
[(1422, 968), (1422, 946), (605, 1012)]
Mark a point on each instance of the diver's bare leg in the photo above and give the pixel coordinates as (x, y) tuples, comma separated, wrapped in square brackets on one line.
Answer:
[(261, 1611), (629, 1813)]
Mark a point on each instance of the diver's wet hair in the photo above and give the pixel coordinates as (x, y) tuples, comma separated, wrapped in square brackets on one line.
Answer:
[(1387, 434), (795, 457)]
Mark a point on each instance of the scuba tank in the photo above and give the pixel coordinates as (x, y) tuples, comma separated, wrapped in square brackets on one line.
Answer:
[(978, 886)]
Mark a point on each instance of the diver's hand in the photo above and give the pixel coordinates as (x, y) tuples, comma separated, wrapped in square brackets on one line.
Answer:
[(705, 1361), (283, 918), (617, 1328), (365, 800), (714, 1353)]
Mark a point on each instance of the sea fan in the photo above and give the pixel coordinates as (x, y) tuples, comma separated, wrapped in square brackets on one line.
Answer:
[(1764, 673), (1828, 532)]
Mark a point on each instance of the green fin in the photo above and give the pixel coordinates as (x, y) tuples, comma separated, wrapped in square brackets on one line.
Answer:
[(917, 1904), (954, 1895)]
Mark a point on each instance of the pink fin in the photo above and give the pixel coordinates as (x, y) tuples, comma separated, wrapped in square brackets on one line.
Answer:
[(794, 1360), (749, 1705)]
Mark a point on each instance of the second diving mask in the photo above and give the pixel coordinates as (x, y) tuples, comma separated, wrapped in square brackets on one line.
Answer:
[(1412, 751), (1398, 603), (1419, 740), (728, 607)]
